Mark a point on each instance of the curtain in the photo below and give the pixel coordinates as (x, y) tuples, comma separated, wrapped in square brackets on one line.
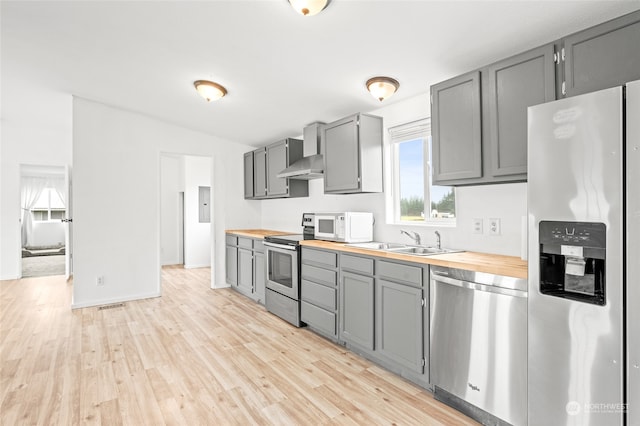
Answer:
[(58, 185), (32, 188)]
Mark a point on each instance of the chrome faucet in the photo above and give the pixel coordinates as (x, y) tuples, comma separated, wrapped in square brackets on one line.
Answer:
[(438, 240), (413, 235)]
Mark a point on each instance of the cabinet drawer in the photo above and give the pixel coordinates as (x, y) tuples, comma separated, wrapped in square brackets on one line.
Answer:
[(320, 258), (319, 275), (318, 318), (357, 264), (245, 242), (320, 295), (258, 246), (231, 240), (400, 273), (282, 306)]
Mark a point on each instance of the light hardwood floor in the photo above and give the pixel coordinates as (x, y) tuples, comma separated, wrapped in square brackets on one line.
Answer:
[(194, 356)]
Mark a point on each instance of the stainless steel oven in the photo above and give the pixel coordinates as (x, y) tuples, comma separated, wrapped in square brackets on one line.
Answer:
[(282, 296), (282, 269)]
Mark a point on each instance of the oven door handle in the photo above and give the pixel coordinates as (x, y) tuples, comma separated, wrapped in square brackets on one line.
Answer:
[(280, 246)]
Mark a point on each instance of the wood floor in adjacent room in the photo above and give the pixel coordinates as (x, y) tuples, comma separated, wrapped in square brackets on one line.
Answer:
[(195, 356)]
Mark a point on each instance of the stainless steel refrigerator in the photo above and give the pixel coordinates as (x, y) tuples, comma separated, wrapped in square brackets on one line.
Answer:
[(584, 260)]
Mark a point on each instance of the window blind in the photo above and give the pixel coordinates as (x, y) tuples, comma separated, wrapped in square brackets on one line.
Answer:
[(414, 129)]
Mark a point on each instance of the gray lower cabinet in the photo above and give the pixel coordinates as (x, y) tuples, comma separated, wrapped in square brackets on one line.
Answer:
[(245, 270), (319, 291), (357, 310), (259, 275), (399, 319), (402, 317), (603, 56), (383, 313), (245, 266), (231, 260), (401, 314), (352, 154), (356, 306)]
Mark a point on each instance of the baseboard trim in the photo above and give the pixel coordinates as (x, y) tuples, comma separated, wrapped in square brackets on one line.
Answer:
[(196, 266), (94, 303)]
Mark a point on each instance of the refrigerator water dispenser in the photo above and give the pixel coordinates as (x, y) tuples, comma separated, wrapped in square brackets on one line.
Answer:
[(572, 260)]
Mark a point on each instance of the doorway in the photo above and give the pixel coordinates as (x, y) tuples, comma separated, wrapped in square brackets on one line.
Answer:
[(185, 240), (44, 201)]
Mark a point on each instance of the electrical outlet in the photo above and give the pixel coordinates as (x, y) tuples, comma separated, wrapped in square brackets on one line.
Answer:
[(100, 280), (477, 226), (494, 226)]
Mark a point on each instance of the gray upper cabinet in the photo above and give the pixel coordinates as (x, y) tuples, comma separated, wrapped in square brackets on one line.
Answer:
[(456, 129), (260, 172), (352, 154), (479, 119), (514, 85), (276, 161), (268, 162), (603, 56), (248, 175)]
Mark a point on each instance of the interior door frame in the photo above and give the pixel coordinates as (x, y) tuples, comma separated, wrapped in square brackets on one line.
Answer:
[(212, 240), (68, 224), (66, 172)]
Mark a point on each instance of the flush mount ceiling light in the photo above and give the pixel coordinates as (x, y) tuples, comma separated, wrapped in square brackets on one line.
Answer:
[(309, 7), (382, 87), (209, 90)]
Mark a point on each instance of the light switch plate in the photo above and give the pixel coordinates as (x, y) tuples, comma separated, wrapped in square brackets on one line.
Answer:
[(494, 226), (477, 226)]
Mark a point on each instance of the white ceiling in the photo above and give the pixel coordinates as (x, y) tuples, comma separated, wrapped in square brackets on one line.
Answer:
[(282, 70)]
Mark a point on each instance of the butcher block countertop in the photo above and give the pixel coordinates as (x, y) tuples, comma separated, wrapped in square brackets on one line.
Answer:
[(498, 264), (256, 233), (510, 266)]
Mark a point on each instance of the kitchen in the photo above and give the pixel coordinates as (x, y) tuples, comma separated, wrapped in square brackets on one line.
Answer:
[(350, 305), (509, 205)]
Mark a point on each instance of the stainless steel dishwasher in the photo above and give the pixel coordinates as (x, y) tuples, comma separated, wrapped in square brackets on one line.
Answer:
[(478, 334)]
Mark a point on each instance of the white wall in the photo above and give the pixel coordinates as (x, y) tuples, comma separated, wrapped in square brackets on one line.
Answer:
[(197, 235), (507, 202), (116, 198)]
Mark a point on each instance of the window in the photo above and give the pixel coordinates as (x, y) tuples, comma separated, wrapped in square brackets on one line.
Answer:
[(48, 207), (414, 199)]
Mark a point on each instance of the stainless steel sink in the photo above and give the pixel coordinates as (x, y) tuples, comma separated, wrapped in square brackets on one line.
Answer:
[(423, 251), (404, 248), (378, 246)]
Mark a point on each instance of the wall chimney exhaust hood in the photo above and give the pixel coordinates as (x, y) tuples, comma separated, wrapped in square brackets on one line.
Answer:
[(311, 166)]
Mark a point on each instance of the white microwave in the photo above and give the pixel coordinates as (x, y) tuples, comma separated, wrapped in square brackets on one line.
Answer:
[(346, 227)]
